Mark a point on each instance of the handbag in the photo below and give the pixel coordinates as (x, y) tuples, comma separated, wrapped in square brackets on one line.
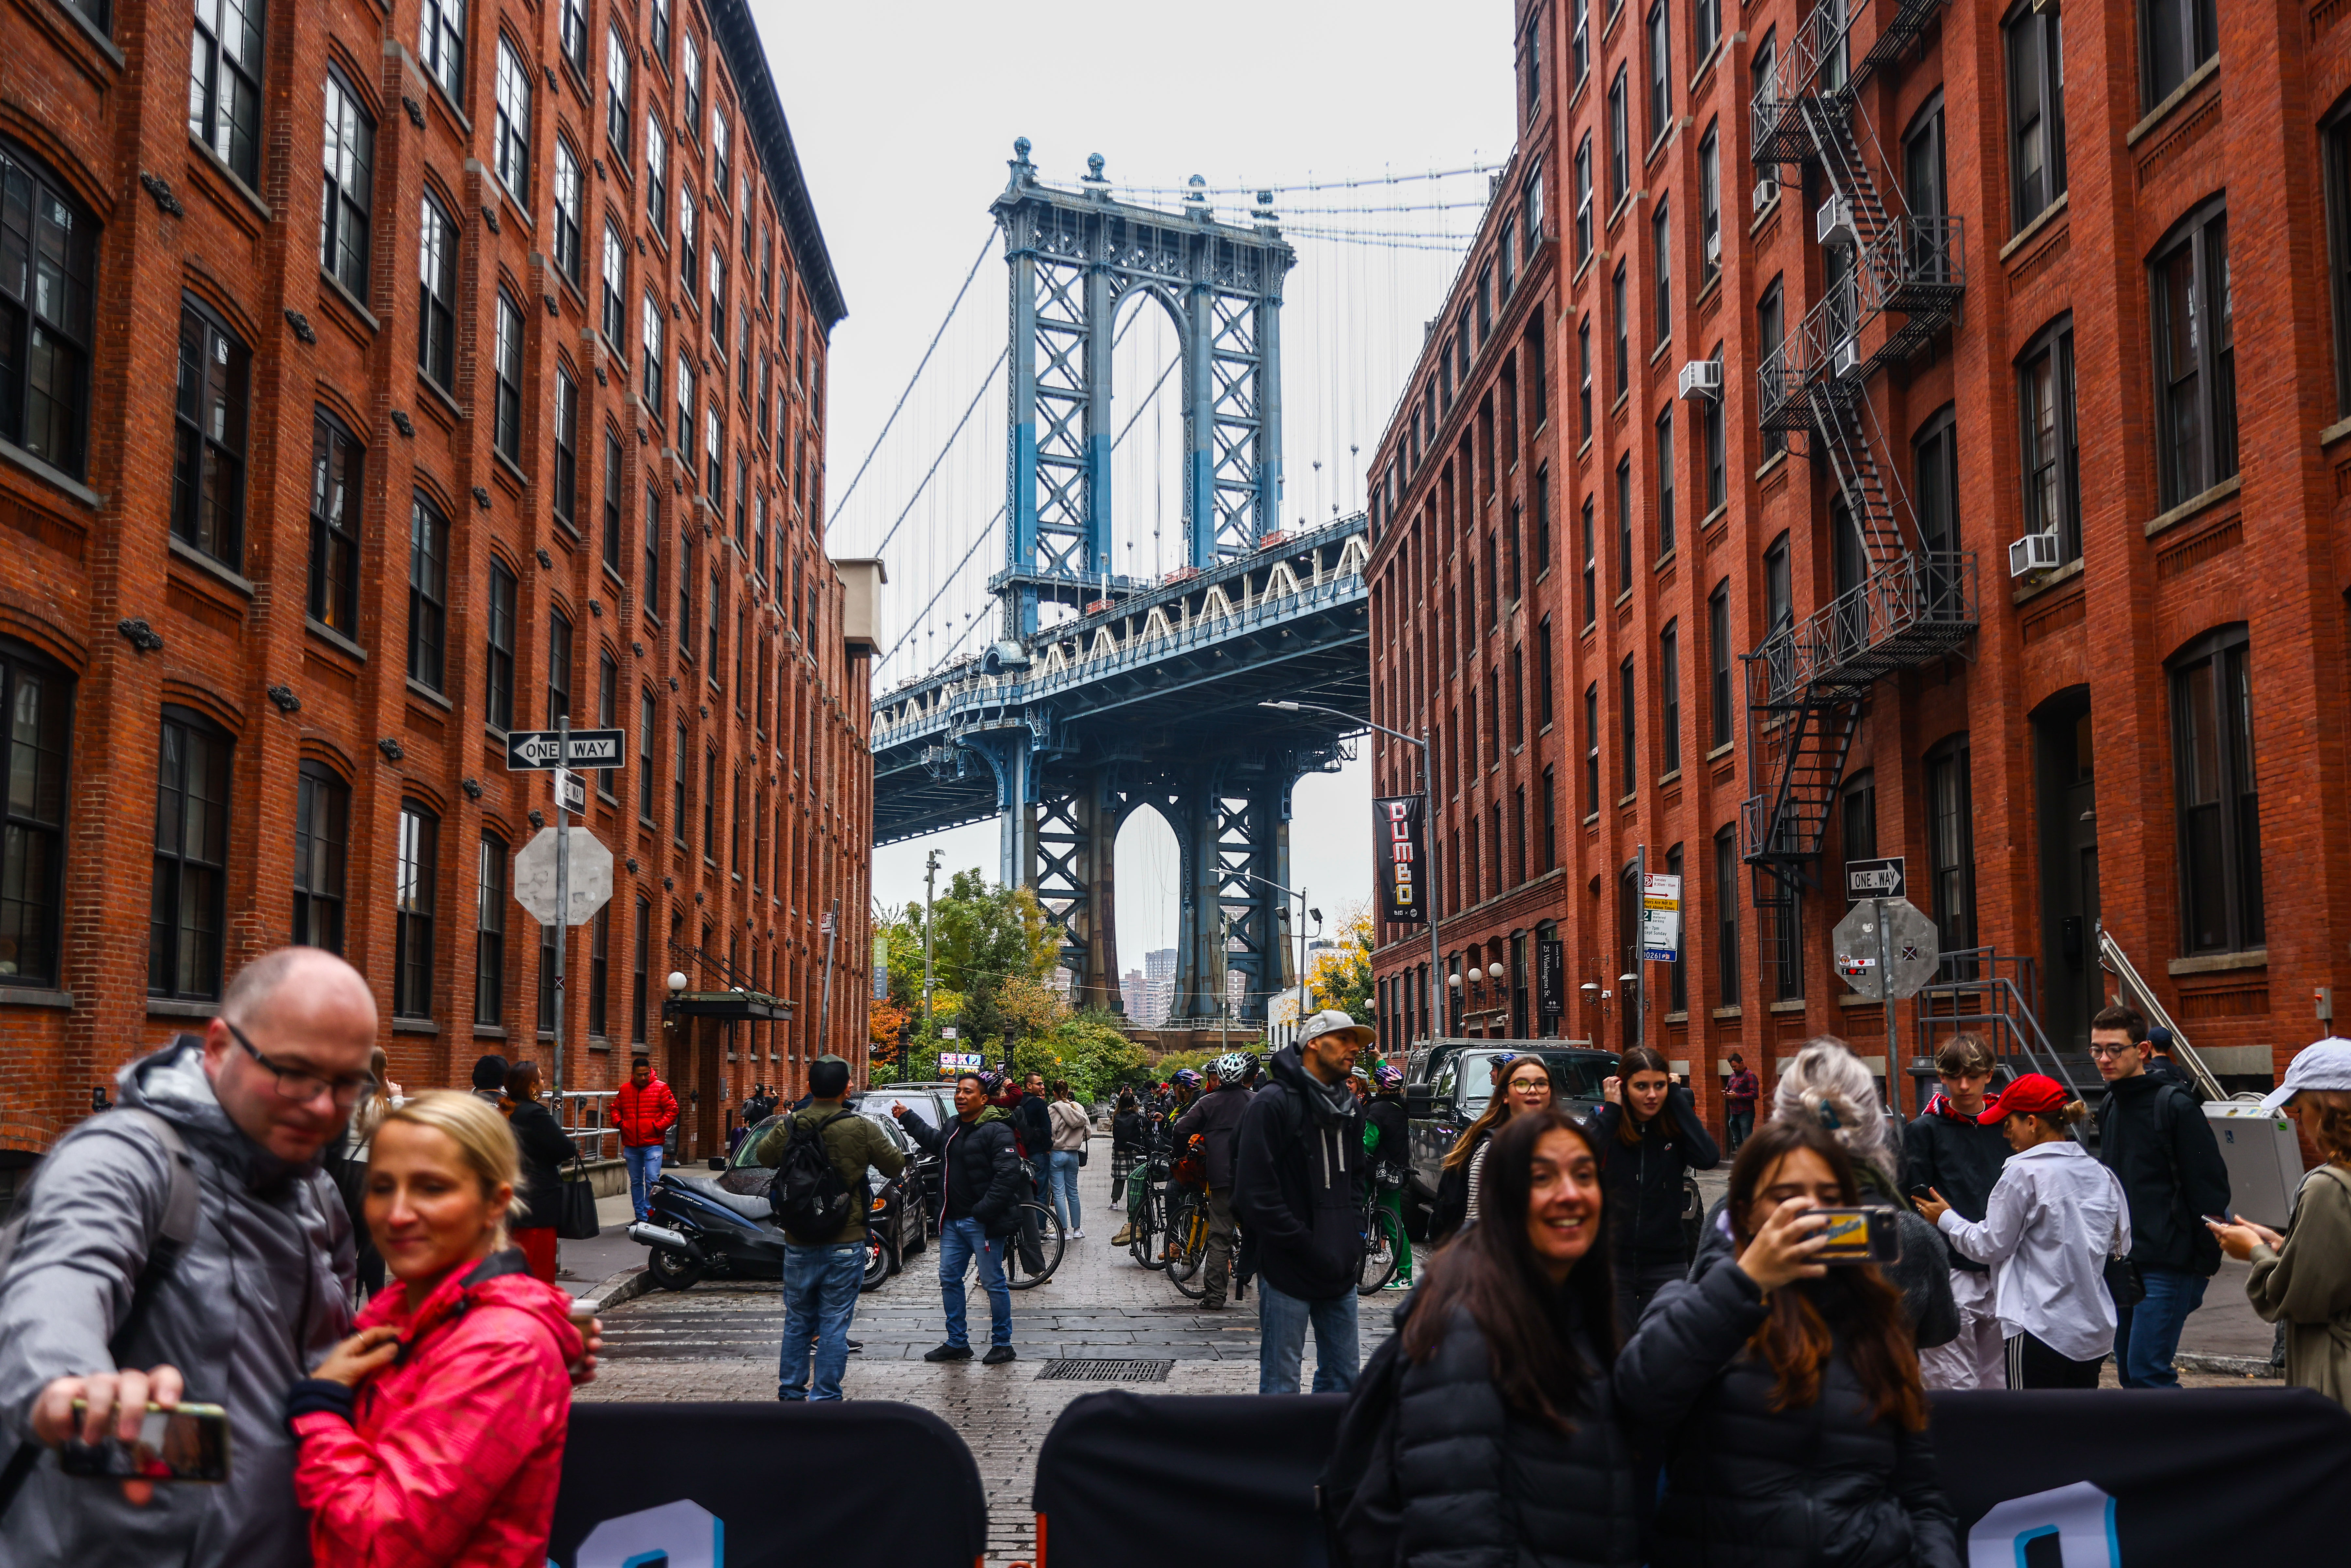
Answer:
[(2124, 1282), (575, 1208), (1081, 1157)]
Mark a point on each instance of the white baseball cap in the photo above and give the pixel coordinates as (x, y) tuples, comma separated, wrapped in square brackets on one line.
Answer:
[(2325, 1065), (1333, 1020)]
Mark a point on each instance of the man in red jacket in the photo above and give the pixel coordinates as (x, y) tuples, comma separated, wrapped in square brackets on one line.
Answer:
[(644, 1110)]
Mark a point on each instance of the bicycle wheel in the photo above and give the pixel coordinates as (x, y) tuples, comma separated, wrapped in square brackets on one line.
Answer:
[(1050, 1241), (1383, 1250), (1143, 1243), (1187, 1249)]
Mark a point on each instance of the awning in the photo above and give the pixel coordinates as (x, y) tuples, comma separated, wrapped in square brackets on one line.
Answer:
[(751, 1007)]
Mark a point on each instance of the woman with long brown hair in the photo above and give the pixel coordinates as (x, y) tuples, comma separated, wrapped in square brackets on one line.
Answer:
[(1492, 1400), (1524, 1084), (1784, 1392), (1649, 1134)]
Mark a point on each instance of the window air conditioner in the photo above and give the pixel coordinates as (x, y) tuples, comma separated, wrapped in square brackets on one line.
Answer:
[(2033, 552), (1844, 358), (1833, 225), (1702, 378), (1714, 248), (1766, 193)]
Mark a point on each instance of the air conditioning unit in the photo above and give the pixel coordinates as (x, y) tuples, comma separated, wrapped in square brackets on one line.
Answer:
[(1833, 225), (1766, 193), (1714, 248), (1702, 378), (2033, 552), (1844, 358)]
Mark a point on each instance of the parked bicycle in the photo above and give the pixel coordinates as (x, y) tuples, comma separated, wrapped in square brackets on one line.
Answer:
[(1147, 1215), (1383, 1238), (1050, 1242)]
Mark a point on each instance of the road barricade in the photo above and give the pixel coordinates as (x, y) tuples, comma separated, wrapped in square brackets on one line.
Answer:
[(2123, 1479), (750, 1486)]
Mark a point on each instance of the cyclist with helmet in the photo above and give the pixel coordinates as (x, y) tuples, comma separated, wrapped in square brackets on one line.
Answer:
[(1216, 1118), (1387, 1138)]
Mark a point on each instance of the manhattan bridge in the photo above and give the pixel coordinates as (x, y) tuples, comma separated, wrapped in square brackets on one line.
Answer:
[(1085, 690)]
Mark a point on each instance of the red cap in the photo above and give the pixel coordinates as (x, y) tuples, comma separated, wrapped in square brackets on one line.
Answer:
[(2035, 1092)]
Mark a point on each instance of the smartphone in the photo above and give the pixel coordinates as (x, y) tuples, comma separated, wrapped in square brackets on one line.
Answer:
[(2219, 1219), (1922, 1193), (1859, 1236), (186, 1443)]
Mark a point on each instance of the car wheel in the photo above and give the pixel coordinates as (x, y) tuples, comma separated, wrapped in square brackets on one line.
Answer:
[(673, 1270)]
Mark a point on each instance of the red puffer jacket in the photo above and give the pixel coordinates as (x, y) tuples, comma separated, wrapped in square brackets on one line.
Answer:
[(644, 1114), (451, 1457)]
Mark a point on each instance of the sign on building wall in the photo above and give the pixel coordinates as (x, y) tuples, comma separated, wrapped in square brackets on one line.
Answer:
[(1395, 850), (1661, 918), (1550, 981), (880, 968)]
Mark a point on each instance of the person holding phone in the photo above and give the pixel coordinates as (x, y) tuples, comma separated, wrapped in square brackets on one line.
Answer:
[(1950, 1152), (2052, 1219), (1784, 1392), (1649, 1134), (435, 1435)]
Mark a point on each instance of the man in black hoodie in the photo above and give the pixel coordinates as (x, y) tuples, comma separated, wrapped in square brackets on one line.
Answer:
[(1948, 1151), (1297, 1187)]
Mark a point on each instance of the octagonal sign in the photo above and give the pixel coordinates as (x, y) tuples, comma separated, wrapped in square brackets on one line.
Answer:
[(592, 877)]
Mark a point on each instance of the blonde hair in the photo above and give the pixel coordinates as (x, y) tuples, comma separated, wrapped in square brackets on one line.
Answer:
[(481, 1136), (1827, 1085)]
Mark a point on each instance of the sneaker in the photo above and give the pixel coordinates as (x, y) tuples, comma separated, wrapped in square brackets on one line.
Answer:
[(948, 1352), (997, 1354), (1212, 1306), (1397, 1285), (855, 1345), (1126, 1235), (1077, 1236)]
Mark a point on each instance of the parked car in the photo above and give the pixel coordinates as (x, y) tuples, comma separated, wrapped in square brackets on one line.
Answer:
[(1447, 1085)]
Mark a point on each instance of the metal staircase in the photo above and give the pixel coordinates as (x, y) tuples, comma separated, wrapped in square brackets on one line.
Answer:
[(1895, 279)]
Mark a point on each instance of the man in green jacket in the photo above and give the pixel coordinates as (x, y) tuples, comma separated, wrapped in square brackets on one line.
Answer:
[(822, 1279)]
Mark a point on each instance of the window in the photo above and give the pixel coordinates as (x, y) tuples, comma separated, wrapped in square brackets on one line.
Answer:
[(649, 529), (608, 697), (599, 973), (1709, 423), (37, 696), (1710, 205), (512, 145), (710, 806), (1583, 198), (1620, 133), (713, 449), (1726, 917), (1591, 751), (2036, 114), (564, 501), (1666, 483), (547, 956), (1542, 521), (441, 43), (1951, 845), (2195, 357), (2219, 805), (1661, 75), (1532, 54), (1590, 570), (322, 836), (659, 29), (505, 429), (350, 185), (1779, 608), (685, 429), (656, 179), (334, 524), (611, 489), (1580, 40), (1583, 379), (1621, 316), (677, 787), (573, 38), (1538, 376), (616, 93), (1771, 329), (1706, 28), (650, 332), (2334, 145), (1550, 806), (1677, 986), (689, 81), (567, 213), (717, 298), (559, 667), (1623, 523), (1922, 162), (647, 717), (411, 963), (719, 151), (500, 664), (642, 950), (208, 475), (2051, 468), (186, 905), (428, 554), (1661, 260), (1669, 678), (2175, 38), (224, 84), (436, 294), (1717, 656), (1625, 725), (1543, 674), (1857, 816), (490, 931)]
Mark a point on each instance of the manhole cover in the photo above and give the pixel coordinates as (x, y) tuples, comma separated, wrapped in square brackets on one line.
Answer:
[(1077, 1370)]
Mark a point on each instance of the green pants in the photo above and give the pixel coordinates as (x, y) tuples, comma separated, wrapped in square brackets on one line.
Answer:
[(1392, 1201)]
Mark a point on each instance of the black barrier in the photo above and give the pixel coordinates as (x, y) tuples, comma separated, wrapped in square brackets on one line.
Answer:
[(2121, 1478), (763, 1486)]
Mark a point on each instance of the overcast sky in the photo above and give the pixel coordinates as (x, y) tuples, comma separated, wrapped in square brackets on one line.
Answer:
[(903, 116)]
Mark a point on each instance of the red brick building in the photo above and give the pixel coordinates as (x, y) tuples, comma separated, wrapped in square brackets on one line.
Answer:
[(1965, 561), (500, 335)]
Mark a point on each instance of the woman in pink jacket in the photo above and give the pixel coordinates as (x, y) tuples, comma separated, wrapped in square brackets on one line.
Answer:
[(435, 1435)]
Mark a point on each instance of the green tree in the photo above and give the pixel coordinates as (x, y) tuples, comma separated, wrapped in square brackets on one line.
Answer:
[(1341, 977)]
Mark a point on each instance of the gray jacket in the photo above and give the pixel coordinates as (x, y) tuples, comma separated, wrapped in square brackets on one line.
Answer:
[(258, 1298)]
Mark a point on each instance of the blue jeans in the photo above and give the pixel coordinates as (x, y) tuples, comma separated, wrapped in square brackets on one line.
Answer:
[(1738, 1126), (1281, 1321), (821, 1285), (1065, 1187), (644, 1169), (2148, 1335), (961, 1241)]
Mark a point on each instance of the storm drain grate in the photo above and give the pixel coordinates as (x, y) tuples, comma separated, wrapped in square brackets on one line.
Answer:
[(1079, 1370)]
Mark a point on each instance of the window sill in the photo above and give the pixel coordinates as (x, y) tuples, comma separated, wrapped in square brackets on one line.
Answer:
[(513, 468), (1627, 798), (183, 551), (1624, 599), (2195, 504), (1705, 66), (33, 996), (1664, 345), (1592, 820), (1731, 1011), (2178, 95), (414, 1026), (334, 639), (441, 96), (448, 400), (39, 469), (2041, 220), (1774, 461), (89, 30), (417, 688), (1720, 751), (1623, 205), (1679, 1015), (351, 299), (236, 181), (489, 1031), (2214, 963), (2334, 432), (1670, 776), (1793, 1005), (1771, 210), (2060, 574), (168, 1007)]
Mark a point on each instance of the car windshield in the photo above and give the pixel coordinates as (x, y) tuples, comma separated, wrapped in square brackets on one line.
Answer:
[(1571, 1077)]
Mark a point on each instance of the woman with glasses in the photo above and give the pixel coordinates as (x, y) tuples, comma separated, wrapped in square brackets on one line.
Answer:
[(1521, 1084)]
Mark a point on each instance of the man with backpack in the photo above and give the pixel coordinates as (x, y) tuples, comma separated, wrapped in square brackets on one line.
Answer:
[(186, 1245), (981, 1185), (2152, 1134), (819, 1156)]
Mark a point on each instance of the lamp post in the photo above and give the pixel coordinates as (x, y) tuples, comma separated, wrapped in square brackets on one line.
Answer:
[(1436, 979), (1299, 896)]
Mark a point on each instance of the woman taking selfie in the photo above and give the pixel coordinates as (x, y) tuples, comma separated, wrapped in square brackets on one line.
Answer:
[(1649, 1134), (1524, 1085), (1784, 1392), (435, 1435), (1492, 1400)]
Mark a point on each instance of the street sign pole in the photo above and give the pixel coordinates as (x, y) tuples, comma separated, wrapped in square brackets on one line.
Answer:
[(824, 1008), (1641, 948), (1885, 974), (562, 909)]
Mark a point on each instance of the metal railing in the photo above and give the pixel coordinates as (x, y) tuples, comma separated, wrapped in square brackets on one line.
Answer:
[(1989, 1000), (1921, 606), (593, 1108), (2116, 962), (1915, 265)]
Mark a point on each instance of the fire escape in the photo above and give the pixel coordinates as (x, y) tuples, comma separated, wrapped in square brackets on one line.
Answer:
[(1895, 280)]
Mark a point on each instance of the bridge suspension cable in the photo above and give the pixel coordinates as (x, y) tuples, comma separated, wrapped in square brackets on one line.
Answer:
[(986, 382)]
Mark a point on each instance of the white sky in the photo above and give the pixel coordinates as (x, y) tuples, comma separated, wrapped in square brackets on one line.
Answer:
[(905, 115)]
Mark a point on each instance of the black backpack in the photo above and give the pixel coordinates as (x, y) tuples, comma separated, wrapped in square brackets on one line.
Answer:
[(810, 1200)]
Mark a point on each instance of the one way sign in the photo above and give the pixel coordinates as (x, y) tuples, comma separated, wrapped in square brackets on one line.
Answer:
[(541, 749)]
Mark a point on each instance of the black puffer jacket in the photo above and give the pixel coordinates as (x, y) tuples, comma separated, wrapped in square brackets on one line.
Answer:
[(1298, 1182), (1747, 1487), (1482, 1488), (980, 1176), (1958, 1156), (1642, 1181), (2152, 1134), (1129, 1133), (1394, 1148), (545, 1152)]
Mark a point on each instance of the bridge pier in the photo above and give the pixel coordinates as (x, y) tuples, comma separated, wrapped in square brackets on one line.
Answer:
[(1077, 838)]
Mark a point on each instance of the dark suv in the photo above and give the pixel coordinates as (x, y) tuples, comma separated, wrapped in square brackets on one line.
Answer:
[(1447, 1085)]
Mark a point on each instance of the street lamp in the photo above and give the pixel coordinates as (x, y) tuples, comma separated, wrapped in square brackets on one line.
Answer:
[(1428, 817)]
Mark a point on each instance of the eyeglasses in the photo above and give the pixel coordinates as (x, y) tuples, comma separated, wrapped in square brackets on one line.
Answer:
[(304, 1087), (2103, 1051)]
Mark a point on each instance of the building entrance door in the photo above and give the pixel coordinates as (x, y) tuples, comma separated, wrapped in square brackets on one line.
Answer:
[(2074, 987)]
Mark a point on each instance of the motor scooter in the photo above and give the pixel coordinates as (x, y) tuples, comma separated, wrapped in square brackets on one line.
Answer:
[(695, 1229)]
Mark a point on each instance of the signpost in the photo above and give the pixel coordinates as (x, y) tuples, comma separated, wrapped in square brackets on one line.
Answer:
[(1661, 919), (554, 750), (1886, 949)]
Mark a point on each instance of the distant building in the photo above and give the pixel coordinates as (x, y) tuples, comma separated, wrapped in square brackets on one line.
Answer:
[(1136, 991)]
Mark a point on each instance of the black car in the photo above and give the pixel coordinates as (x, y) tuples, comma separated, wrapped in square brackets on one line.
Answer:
[(1447, 1086)]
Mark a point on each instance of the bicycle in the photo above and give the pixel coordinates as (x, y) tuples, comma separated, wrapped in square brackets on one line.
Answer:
[(1050, 1242), (1187, 1243), (1146, 1215), (1384, 1238)]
